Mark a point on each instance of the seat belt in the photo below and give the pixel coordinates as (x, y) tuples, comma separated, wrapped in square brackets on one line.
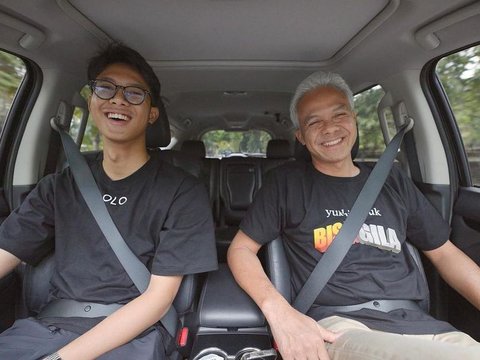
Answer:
[(135, 269), (337, 250)]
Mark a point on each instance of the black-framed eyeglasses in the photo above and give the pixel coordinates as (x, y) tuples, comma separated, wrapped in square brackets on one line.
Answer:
[(106, 90)]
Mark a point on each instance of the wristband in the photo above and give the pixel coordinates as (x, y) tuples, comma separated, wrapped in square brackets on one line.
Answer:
[(53, 356)]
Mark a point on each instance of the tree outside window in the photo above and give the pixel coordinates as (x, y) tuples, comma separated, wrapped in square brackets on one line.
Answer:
[(12, 72), (459, 74)]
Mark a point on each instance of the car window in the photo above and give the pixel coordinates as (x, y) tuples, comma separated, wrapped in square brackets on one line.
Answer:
[(91, 139), (459, 74), (371, 139), (221, 143), (12, 72)]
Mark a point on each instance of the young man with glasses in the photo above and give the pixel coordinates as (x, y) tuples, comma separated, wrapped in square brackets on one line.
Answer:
[(164, 217)]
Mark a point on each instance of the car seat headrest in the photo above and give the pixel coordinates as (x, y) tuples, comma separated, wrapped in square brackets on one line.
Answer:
[(194, 148), (279, 149), (158, 133)]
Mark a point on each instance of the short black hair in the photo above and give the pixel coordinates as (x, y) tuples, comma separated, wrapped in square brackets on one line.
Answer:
[(116, 53)]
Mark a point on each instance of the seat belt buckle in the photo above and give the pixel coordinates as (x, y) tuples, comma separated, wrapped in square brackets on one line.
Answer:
[(182, 337)]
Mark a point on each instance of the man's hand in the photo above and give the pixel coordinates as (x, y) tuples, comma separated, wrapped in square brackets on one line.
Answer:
[(298, 336)]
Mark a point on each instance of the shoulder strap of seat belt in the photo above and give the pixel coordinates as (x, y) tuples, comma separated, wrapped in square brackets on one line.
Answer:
[(335, 253), (135, 269)]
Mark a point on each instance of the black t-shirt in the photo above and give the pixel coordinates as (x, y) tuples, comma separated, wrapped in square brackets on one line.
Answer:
[(162, 213), (307, 208)]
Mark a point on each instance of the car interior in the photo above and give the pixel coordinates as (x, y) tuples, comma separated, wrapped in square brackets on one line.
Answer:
[(228, 70)]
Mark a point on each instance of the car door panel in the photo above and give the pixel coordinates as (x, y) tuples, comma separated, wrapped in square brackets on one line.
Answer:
[(466, 235)]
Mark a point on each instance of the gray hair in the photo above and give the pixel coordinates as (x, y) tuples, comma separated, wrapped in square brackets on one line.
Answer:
[(314, 81)]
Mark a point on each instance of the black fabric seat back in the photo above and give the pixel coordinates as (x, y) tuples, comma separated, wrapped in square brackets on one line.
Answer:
[(279, 151), (208, 173), (186, 162), (195, 148), (158, 134), (240, 179), (36, 288)]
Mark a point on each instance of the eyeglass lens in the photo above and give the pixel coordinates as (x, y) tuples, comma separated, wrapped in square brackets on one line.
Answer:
[(106, 90)]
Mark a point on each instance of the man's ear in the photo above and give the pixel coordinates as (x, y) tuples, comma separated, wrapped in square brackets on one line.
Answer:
[(153, 116), (299, 136)]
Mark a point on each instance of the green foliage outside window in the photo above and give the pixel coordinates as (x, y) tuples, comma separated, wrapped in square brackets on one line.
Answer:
[(92, 141), (221, 143), (459, 74), (370, 135), (12, 71)]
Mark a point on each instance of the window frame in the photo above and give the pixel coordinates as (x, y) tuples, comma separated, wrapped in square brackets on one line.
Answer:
[(16, 121), (457, 158)]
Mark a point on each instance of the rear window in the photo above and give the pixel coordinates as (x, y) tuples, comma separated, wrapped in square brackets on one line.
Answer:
[(459, 74), (221, 143), (12, 72), (370, 134)]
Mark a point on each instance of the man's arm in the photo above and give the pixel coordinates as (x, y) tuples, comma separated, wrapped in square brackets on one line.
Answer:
[(127, 322), (8, 262), (297, 335), (458, 270)]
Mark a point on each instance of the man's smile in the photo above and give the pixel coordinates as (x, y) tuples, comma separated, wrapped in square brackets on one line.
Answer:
[(117, 116), (332, 142)]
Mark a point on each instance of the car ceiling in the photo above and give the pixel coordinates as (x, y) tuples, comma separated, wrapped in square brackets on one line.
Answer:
[(234, 64)]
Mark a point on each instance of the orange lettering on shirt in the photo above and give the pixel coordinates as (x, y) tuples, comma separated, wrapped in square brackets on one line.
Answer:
[(323, 237)]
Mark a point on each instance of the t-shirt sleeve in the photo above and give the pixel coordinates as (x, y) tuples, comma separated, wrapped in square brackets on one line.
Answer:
[(426, 229), (263, 221), (187, 239), (28, 231)]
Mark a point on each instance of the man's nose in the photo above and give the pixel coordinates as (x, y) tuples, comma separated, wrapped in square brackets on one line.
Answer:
[(119, 97), (329, 124)]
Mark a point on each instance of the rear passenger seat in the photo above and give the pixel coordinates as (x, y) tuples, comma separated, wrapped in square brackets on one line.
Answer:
[(232, 183), (279, 151), (208, 174), (240, 179)]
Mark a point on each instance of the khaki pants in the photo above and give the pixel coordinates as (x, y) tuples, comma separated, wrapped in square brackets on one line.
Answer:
[(361, 343)]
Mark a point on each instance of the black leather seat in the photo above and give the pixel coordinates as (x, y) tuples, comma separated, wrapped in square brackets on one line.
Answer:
[(223, 304)]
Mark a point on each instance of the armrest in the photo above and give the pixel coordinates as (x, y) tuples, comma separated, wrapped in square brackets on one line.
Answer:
[(223, 304)]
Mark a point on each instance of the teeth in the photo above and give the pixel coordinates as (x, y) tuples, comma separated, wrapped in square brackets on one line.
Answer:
[(333, 142), (117, 116)]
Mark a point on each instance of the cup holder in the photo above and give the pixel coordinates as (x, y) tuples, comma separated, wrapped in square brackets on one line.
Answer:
[(248, 353)]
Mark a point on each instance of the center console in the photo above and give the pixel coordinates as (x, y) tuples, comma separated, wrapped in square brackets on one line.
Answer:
[(230, 325)]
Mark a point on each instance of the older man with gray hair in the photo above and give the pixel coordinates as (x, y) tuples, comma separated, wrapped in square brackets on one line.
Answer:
[(306, 204)]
